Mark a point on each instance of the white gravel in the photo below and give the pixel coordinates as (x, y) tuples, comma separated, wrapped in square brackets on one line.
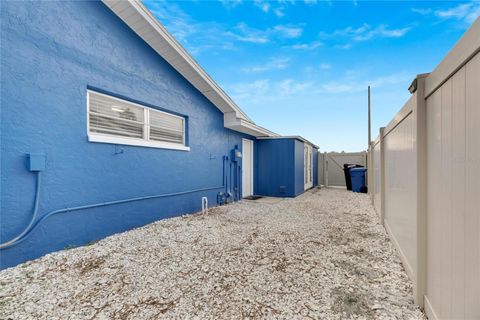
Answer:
[(322, 255)]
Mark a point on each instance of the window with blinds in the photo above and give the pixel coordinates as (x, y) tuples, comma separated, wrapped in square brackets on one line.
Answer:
[(113, 120), (165, 127)]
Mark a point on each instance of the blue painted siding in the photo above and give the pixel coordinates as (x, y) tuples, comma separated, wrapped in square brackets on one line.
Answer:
[(299, 153), (275, 163), (51, 52), (280, 163)]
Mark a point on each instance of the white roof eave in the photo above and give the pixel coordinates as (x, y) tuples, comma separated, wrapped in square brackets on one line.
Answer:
[(244, 126), (146, 26)]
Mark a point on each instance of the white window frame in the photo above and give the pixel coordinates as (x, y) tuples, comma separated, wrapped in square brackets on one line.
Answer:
[(143, 142)]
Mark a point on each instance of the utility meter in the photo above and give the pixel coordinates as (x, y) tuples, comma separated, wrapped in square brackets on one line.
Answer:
[(236, 154)]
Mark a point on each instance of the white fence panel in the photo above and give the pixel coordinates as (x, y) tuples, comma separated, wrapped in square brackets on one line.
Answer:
[(321, 170), (376, 178), (425, 181), (401, 185), (453, 242), (331, 168)]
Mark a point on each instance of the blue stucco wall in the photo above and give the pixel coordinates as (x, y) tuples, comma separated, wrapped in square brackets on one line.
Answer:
[(299, 154), (276, 167), (50, 53), (281, 167)]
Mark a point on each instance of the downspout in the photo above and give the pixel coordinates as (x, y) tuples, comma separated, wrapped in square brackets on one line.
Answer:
[(224, 176), (230, 192), (240, 182), (235, 167)]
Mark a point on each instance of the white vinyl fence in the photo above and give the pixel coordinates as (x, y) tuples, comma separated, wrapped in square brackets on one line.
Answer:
[(330, 166), (375, 174), (425, 183)]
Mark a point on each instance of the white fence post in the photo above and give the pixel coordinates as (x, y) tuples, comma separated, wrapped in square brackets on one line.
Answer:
[(429, 180), (368, 180), (325, 169), (320, 169), (421, 151), (382, 175), (368, 165), (371, 171)]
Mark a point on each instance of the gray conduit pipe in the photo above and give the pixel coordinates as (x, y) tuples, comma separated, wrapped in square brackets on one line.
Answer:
[(29, 230), (240, 183), (32, 220)]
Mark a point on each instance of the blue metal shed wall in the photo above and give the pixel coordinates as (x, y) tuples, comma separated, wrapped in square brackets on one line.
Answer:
[(51, 52), (315, 166), (275, 173), (299, 154)]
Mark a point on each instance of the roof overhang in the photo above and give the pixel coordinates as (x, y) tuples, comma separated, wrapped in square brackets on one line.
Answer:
[(300, 138), (147, 27), (231, 121)]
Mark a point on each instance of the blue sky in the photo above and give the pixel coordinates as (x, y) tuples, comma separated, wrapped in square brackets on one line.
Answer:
[(303, 67)]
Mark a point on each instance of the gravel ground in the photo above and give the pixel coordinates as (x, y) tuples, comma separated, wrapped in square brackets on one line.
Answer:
[(322, 255)]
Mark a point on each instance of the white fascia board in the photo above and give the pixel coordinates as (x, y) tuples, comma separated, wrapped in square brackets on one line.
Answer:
[(230, 119), (259, 131), (232, 122), (132, 12), (142, 22)]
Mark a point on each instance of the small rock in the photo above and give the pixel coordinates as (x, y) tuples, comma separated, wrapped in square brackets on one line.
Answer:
[(376, 306)]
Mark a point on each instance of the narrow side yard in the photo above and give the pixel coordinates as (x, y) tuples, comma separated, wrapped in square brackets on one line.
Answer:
[(322, 255)]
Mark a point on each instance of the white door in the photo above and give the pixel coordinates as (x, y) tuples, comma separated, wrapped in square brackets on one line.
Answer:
[(247, 168), (308, 166)]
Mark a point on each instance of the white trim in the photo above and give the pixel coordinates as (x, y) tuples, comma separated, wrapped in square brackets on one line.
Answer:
[(130, 102), (146, 125), (145, 141), (252, 176), (169, 48), (92, 137), (307, 166), (231, 121), (87, 119), (147, 27), (257, 130)]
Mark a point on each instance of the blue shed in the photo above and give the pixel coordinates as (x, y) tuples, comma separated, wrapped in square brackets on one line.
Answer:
[(108, 124), (288, 166)]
